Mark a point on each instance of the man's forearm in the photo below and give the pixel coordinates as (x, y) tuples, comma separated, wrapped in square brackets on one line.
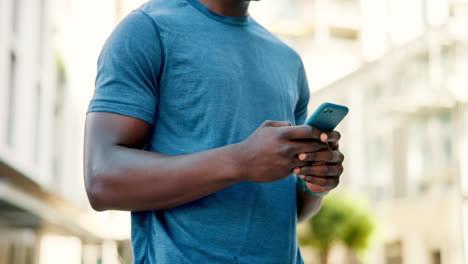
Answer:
[(307, 205), (128, 179)]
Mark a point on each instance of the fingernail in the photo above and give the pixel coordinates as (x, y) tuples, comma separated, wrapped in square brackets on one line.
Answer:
[(302, 156), (323, 137), (296, 170)]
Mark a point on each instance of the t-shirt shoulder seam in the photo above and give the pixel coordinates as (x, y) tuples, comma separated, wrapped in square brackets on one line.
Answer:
[(158, 32), (156, 27)]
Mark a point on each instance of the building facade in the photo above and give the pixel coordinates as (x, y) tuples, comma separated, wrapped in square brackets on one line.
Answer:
[(44, 213), (335, 37), (405, 141)]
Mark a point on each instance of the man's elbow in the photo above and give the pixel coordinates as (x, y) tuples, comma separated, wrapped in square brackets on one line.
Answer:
[(97, 190)]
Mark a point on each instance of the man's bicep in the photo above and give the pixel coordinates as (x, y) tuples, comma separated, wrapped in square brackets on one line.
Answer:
[(109, 129), (110, 151)]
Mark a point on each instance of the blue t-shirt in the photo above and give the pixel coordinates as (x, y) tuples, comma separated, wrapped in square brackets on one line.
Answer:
[(203, 81)]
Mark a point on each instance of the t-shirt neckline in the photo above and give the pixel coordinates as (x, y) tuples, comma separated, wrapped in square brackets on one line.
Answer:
[(232, 20)]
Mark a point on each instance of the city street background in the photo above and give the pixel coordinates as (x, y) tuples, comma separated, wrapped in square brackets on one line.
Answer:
[(401, 66)]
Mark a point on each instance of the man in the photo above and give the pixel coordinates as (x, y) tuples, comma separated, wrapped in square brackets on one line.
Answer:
[(177, 133)]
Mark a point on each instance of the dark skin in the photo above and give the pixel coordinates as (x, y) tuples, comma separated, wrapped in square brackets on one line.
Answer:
[(227, 7), (119, 175)]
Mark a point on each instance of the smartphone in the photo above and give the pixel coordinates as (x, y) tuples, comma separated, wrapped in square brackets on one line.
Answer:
[(327, 116)]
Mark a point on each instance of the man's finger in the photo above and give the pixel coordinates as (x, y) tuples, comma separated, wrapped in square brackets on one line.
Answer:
[(301, 132), (308, 146), (325, 156), (328, 183), (334, 146), (315, 188), (322, 170), (298, 164), (332, 136)]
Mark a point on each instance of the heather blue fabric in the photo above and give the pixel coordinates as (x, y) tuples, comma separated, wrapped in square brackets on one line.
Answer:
[(205, 81)]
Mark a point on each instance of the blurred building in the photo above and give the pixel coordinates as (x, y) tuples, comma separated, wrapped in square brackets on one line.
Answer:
[(44, 213), (335, 37), (406, 137), (326, 33)]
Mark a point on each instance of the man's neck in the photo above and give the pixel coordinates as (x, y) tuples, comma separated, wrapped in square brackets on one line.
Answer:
[(227, 7)]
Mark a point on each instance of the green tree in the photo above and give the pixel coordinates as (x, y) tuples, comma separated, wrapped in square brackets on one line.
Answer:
[(341, 219)]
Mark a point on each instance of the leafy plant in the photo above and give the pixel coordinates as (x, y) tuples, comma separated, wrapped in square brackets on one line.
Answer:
[(340, 219)]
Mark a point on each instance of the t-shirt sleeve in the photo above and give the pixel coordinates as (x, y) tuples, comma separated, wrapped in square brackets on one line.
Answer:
[(128, 69), (304, 96)]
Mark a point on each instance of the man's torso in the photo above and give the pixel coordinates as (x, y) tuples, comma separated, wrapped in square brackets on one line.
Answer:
[(218, 82)]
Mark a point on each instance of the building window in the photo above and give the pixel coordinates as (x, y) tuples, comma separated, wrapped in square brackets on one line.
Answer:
[(378, 152), (436, 257), (447, 122), (42, 20), (37, 125), (430, 158), (58, 122), (11, 100), (374, 93), (15, 15), (393, 253)]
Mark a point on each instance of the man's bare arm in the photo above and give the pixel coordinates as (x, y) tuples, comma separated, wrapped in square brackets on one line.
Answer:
[(120, 175)]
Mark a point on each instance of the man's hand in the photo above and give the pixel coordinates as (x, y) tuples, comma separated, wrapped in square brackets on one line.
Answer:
[(322, 174), (271, 152)]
